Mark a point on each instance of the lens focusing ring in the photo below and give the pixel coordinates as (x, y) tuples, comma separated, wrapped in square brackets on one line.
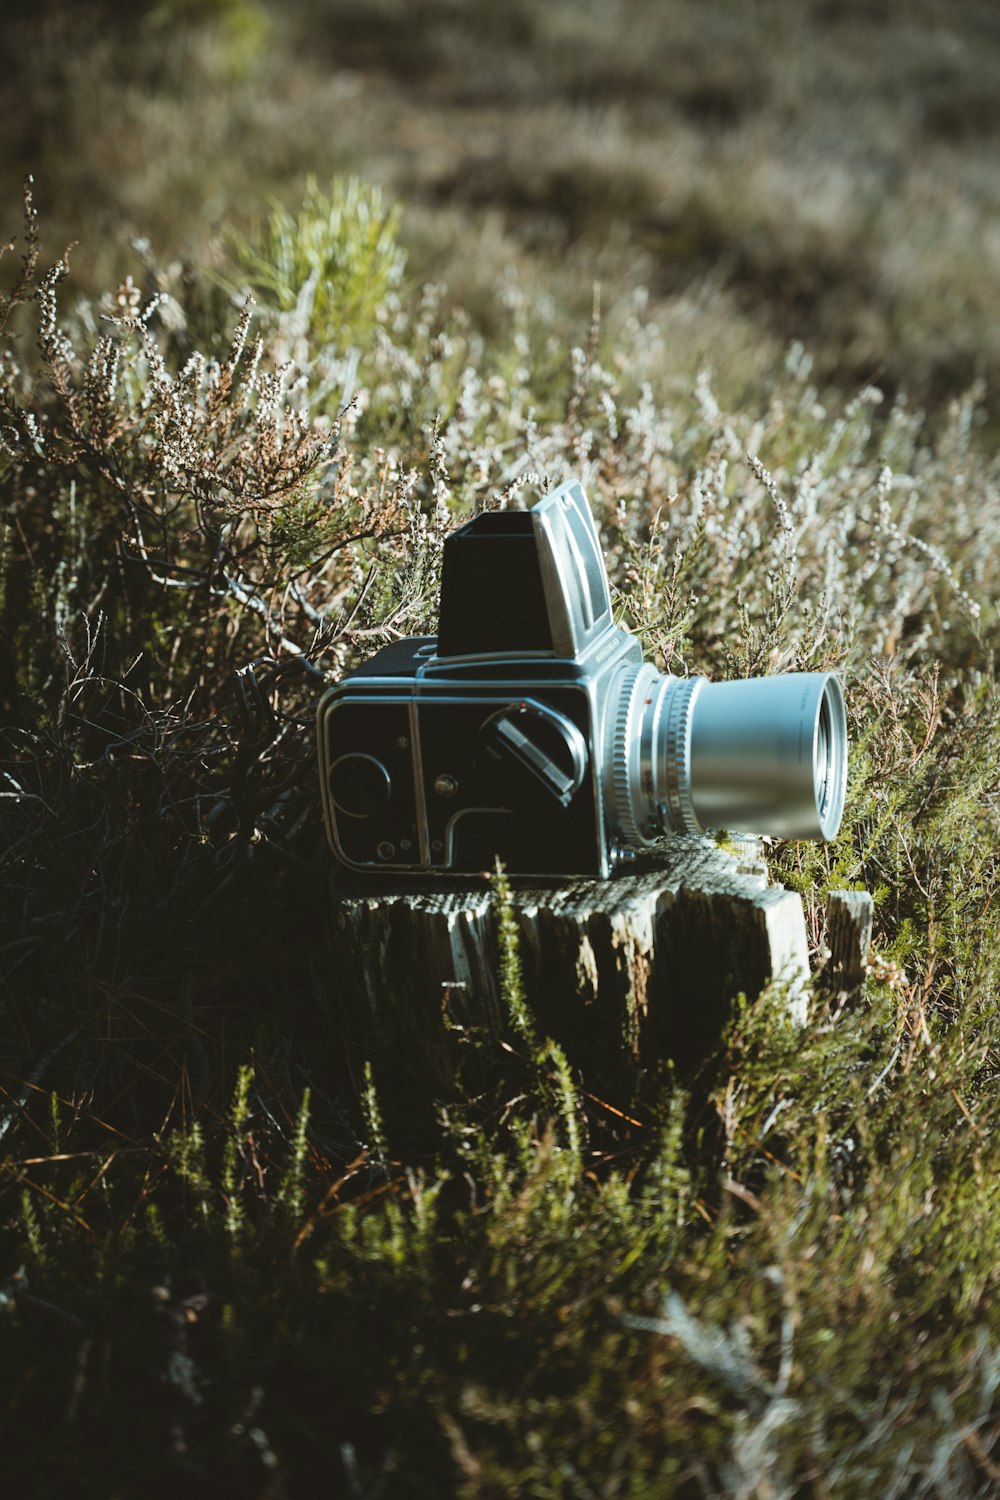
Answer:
[(623, 742), (650, 755), (675, 765)]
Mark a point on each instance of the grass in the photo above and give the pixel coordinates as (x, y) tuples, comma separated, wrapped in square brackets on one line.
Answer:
[(225, 1264)]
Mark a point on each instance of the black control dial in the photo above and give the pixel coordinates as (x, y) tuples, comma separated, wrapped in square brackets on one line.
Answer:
[(360, 786), (539, 741)]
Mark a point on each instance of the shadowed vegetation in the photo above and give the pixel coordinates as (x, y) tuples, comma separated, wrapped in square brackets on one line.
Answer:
[(223, 1271)]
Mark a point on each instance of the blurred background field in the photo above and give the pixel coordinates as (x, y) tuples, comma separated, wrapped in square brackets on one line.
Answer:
[(733, 264), (821, 171)]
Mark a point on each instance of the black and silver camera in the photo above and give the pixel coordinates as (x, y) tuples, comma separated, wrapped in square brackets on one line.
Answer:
[(530, 728)]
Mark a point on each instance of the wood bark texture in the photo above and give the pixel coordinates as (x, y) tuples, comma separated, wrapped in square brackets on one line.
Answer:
[(622, 973), (849, 934)]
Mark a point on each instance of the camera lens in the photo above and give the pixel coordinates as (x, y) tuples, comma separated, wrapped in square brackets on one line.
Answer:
[(821, 767), (758, 755)]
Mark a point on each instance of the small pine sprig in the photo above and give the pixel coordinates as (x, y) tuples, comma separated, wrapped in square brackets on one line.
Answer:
[(291, 1194), (510, 970), (233, 1151), (378, 1146)]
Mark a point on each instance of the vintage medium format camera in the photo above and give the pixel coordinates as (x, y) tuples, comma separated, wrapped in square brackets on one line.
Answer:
[(530, 728)]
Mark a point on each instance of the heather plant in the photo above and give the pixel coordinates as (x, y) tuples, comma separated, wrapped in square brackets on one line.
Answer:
[(220, 1265)]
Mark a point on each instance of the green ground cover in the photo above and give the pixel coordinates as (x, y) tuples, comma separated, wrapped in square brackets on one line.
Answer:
[(226, 1266)]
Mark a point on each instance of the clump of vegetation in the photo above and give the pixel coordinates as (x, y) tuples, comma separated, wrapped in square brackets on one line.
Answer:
[(337, 263), (221, 1266)]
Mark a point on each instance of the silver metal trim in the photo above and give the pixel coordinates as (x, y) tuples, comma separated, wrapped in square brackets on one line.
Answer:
[(575, 617), (574, 741), (463, 812), (419, 800), (676, 746), (487, 694), (619, 755), (355, 755), (648, 750)]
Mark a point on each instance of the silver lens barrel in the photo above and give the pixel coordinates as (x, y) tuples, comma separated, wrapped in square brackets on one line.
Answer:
[(758, 755)]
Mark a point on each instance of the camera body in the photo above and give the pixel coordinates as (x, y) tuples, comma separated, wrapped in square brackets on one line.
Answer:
[(530, 729), (443, 753)]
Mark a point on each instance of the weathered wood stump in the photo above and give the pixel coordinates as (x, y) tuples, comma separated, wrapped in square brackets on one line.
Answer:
[(849, 934), (621, 973)]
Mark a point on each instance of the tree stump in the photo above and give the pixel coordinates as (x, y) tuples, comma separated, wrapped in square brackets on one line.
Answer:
[(622, 973), (849, 934)]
